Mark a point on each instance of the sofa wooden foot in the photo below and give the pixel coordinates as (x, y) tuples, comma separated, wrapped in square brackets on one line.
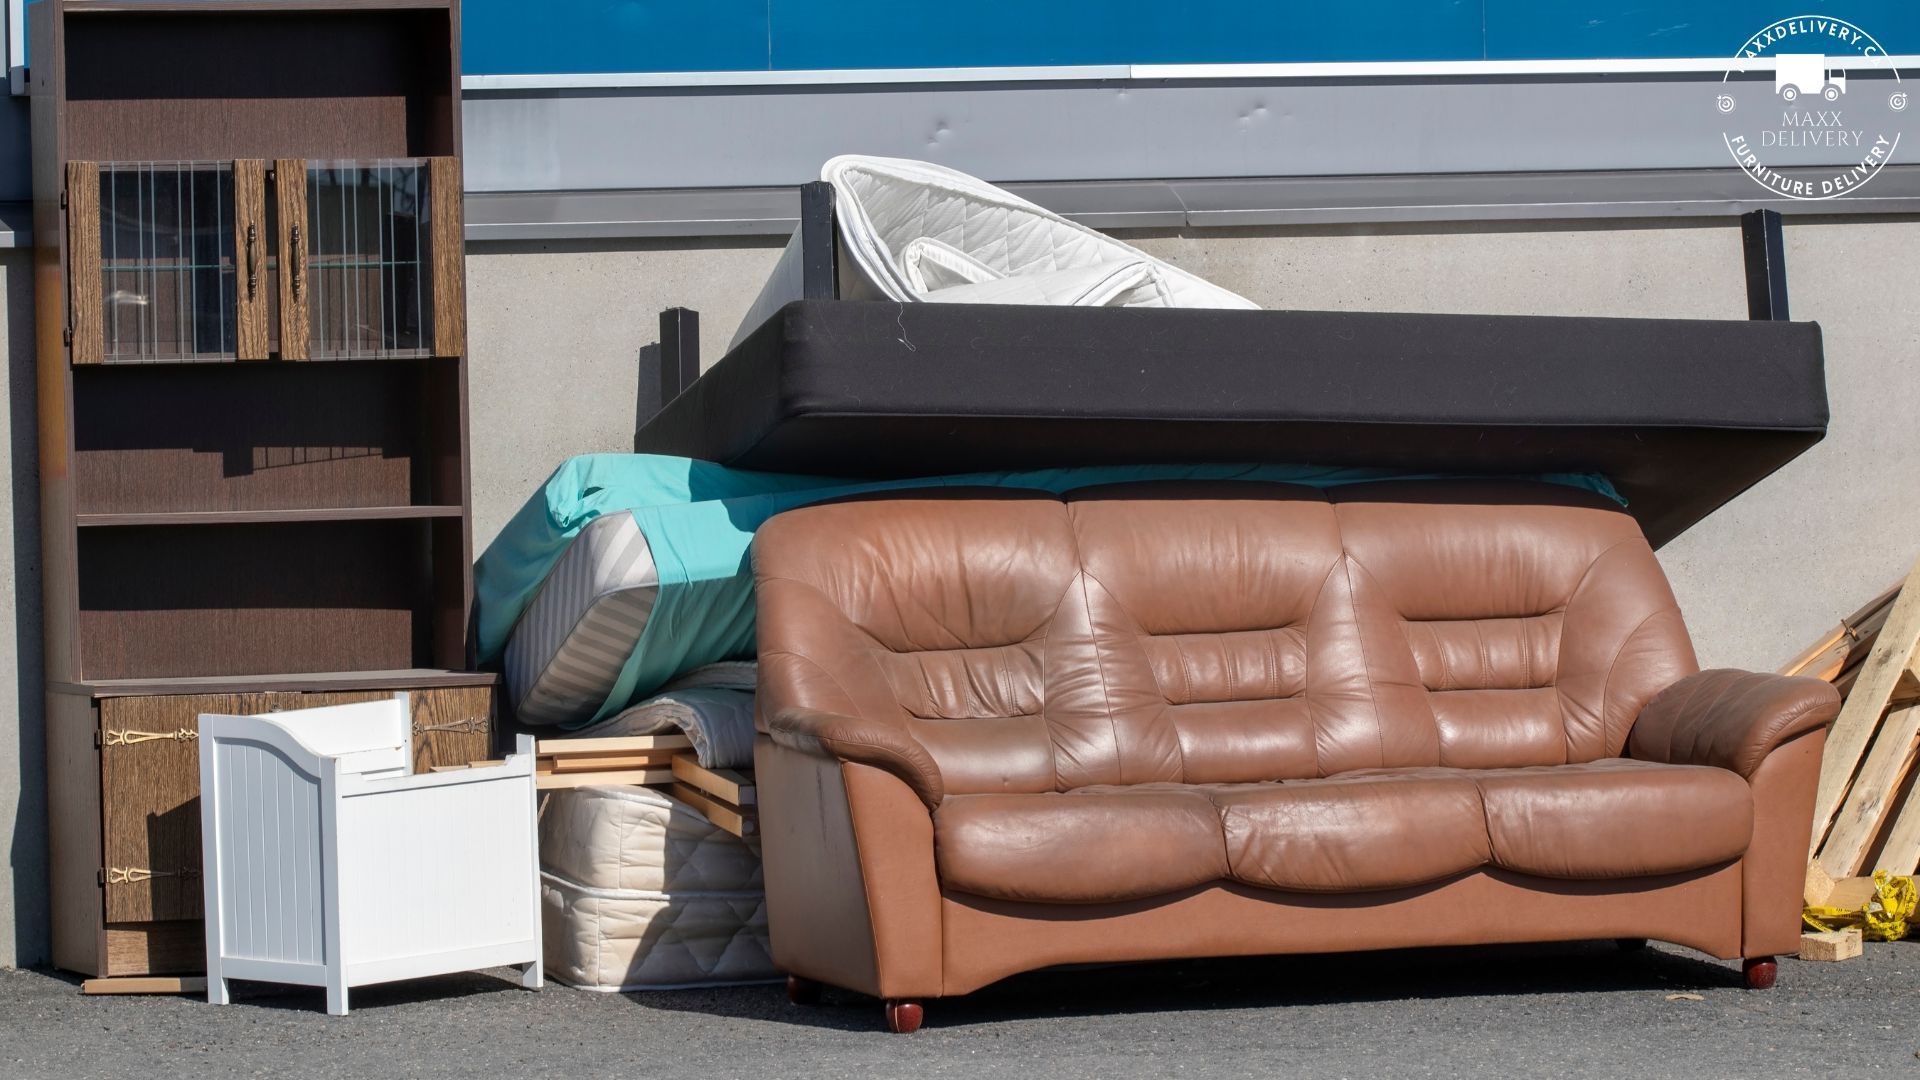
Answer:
[(903, 1017), (1630, 944), (1760, 972), (803, 991)]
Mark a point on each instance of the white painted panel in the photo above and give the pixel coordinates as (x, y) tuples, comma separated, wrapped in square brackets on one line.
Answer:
[(269, 848)]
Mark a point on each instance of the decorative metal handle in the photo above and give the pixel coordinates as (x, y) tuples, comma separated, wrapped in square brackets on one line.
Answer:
[(293, 255), (131, 738), (253, 273), (134, 875), (469, 726)]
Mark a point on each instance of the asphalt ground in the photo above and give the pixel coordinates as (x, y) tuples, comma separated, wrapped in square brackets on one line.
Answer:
[(1575, 1010)]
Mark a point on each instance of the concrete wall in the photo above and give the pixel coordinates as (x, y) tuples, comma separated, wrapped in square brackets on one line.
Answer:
[(557, 331)]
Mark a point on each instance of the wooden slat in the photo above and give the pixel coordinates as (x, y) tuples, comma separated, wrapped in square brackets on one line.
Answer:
[(1860, 715), (449, 265), (1900, 854), (631, 743), (550, 781), (730, 818), (1844, 854), (250, 253), (654, 759), (187, 984), (86, 311), (290, 194), (727, 785)]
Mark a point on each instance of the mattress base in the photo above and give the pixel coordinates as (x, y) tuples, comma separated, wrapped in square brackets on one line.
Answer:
[(621, 940)]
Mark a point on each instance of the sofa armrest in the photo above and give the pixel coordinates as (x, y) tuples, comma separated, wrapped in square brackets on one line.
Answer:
[(1730, 719), (849, 738)]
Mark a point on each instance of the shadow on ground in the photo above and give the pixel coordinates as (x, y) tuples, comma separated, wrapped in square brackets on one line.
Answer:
[(1251, 983)]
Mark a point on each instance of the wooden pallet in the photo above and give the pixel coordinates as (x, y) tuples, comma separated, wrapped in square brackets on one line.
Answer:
[(725, 797), (636, 759), (1864, 819)]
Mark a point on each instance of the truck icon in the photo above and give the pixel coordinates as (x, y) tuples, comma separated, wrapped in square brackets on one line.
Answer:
[(1807, 73)]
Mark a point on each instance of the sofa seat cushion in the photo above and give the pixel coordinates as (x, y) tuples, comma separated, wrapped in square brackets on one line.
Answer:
[(1615, 818), (1386, 830), (1090, 845)]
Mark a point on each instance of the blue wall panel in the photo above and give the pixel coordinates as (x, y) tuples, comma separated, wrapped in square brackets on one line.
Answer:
[(595, 36)]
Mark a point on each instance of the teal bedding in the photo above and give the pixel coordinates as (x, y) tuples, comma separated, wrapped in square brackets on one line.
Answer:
[(698, 520)]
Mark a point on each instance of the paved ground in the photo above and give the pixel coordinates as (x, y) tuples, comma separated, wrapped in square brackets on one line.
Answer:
[(1581, 1010)]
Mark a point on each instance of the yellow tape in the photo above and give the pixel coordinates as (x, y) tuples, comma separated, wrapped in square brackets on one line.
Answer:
[(1883, 918)]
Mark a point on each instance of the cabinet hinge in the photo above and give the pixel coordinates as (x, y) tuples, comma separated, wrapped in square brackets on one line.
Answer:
[(63, 200), (66, 335)]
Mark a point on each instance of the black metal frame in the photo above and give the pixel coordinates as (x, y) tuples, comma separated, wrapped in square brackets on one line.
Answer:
[(1765, 253)]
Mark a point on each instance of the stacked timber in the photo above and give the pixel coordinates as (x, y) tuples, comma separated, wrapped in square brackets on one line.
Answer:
[(1866, 818)]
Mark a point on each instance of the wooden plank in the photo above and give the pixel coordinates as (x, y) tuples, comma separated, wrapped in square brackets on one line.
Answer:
[(726, 785), (1860, 715), (1851, 894), (556, 747), (250, 249), (1900, 854), (573, 763), (1831, 945), (551, 781), (730, 818), (1844, 853), (449, 265), (85, 305), (1818, 886), (178, 984), (292, 241)]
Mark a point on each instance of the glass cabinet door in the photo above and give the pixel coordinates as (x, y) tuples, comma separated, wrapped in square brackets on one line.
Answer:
[(166, 261), (362, 240)]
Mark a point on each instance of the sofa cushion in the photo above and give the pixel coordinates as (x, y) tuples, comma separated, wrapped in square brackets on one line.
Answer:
[(1383, 831), (1615, 818), (1085, 846)]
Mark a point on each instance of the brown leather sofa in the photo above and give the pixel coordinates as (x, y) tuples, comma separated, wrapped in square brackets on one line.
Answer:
[(1002, 731)]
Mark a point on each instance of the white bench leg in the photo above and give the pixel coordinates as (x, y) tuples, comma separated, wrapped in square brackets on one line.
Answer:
[(530, 975), (337, 998), (217, 990)]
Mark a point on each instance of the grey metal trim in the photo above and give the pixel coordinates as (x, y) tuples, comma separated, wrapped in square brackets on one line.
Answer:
[(664, 138), (1201, 204)]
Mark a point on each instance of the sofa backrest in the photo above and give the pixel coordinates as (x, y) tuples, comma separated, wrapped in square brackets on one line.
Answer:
[(1221, 632)]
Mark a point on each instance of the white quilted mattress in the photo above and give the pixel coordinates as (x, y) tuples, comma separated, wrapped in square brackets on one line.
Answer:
[(567, 650), (640, 892)]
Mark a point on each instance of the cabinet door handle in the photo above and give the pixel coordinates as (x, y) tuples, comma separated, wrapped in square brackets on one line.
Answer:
[(293, 256), (253, 271)]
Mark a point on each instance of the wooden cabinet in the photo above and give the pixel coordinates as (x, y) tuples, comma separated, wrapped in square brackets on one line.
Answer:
[(143, 913), (251, 348)]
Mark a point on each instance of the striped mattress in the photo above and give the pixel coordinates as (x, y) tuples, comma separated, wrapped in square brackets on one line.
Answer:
[(567, 649)]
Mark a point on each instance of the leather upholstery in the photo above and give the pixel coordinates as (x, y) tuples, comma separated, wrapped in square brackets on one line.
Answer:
[(1731, 719), (1349, 835), (1614, 818), (1060, 848), (1144, 692)]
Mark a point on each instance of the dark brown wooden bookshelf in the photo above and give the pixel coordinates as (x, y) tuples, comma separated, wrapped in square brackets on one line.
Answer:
[(251, 316)]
